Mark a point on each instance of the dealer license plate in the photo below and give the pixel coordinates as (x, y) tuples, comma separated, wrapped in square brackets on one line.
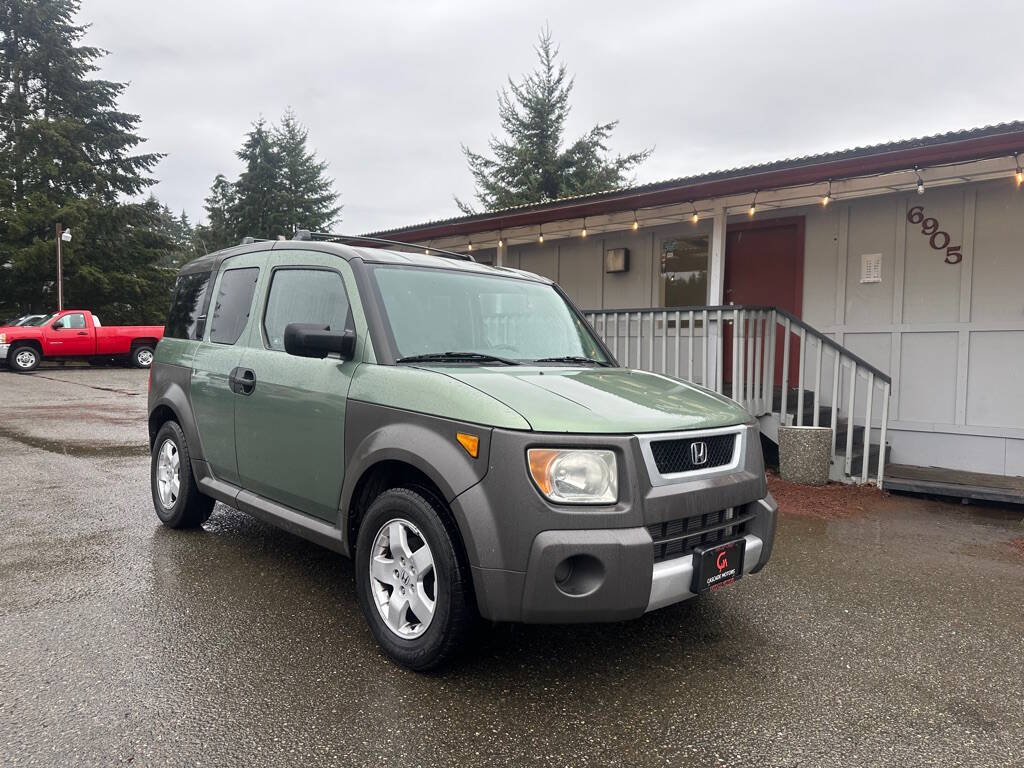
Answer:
[(718, 566)]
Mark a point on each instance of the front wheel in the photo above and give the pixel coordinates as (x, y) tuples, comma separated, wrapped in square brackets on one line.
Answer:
[(24, 359), (176, 497), (142, 356), (415, 593)]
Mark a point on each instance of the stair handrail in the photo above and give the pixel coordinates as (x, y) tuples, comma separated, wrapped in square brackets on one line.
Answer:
[(793, 319)]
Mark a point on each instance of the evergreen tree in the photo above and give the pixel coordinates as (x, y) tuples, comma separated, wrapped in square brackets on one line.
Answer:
[(530, 164), (68, 154), (258, 208), (219, 230), (309, 196)]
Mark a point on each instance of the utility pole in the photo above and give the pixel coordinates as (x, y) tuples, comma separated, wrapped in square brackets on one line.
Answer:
[(63, 236), (60, 272)]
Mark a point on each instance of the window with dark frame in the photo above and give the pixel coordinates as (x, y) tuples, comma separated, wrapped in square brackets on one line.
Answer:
[(314, 296), (233, 303)]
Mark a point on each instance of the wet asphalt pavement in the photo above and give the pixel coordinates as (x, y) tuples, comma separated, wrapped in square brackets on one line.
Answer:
[(894, 637)]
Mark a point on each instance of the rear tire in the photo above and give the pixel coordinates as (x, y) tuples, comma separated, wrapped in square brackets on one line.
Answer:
[(142, 356), (23, 358), (450, 619), (176, 497)]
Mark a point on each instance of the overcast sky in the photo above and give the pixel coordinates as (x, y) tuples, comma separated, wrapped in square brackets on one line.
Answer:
[(389, 90)]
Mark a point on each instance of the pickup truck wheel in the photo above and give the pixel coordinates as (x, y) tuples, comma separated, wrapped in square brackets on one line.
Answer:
[(142, 356), (24, 358), (415, 593), (177, 499)]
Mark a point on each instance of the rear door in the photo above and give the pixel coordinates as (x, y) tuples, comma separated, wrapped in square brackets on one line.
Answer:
[(290, 428), (228, 325)]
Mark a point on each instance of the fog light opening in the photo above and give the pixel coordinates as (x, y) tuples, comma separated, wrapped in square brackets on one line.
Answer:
[(579, 575)]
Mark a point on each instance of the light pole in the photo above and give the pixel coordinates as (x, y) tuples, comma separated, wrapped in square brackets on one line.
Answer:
[(63, 235)]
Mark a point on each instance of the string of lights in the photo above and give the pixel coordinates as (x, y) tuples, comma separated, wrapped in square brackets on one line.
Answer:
[(695, 214)]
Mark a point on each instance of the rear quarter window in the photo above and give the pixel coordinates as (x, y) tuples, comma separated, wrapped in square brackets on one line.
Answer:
[(186, 317)]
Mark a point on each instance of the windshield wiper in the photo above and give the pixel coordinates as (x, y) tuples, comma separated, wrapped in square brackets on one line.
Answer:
[(573, 359), (456, 357)]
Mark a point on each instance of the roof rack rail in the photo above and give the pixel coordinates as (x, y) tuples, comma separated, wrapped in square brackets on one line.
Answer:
[(249, 240), (305, 234)]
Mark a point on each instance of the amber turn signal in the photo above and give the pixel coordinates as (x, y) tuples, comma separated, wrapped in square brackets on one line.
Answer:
[(470, 442), (540, 462)]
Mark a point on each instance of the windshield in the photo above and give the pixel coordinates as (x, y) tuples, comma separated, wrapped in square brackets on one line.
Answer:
[(434, 311)]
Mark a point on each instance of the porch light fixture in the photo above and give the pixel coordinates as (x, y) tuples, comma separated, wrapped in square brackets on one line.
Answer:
[(501, 242), (583, 232), (696, 216), (828, 195), (636, 224), (753, 205), (426, 251), (920, 181), (540, 236), (471, 245), (1016, 160)]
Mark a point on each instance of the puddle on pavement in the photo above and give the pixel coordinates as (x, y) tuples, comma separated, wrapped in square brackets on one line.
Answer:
[(71, 448)]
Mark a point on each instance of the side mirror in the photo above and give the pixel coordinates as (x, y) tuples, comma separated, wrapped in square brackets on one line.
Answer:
[(310, 340)]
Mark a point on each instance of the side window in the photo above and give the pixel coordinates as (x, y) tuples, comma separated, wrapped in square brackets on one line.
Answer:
[(76, 320), (185, 320), (233, 303), (304, 296)]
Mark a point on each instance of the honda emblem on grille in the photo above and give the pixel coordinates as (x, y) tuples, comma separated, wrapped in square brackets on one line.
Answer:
[(699, 453)]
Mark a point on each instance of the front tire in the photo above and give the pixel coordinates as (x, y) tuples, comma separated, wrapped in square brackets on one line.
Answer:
[(142, 356), (176, 497), (24, 359), (415, 593)]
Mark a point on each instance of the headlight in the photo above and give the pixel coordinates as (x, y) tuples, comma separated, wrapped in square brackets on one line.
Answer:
[(575, 476), (3, 338)]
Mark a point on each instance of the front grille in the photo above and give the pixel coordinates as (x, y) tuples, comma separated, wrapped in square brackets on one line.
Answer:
[(678, 538), (671, 456)]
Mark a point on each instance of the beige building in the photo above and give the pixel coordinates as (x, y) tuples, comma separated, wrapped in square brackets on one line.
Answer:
[(896, 271)]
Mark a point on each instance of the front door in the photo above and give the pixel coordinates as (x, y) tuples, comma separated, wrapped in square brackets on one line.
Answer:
[(764, 266), (69, 335), (290, 429), (211, 392)]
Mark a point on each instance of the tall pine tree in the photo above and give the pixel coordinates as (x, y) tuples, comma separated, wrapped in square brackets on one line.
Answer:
[(68, 154), (259, 199), (283, 187), (309, 196), (532, 164)]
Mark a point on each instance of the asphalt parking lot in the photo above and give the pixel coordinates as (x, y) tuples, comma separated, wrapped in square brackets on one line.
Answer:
[(890, 634)]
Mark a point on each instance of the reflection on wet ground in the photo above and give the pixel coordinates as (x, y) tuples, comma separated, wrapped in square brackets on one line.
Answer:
[(890, 636)]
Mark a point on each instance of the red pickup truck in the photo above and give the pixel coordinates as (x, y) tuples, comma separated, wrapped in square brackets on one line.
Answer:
[(76, 334)]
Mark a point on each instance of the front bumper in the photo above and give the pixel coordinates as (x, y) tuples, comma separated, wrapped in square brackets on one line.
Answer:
[(533, 561), (4, 349)]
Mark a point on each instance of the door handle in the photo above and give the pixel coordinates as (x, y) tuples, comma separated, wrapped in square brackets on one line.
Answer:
[(83, 333), (242, 381)]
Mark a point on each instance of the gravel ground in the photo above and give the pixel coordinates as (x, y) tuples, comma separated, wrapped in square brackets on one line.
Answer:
[(885, 631)]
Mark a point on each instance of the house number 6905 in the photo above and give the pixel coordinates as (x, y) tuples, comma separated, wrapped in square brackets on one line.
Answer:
[(937, 239)]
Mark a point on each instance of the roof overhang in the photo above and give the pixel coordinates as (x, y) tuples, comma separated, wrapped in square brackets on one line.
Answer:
[(950, 158)]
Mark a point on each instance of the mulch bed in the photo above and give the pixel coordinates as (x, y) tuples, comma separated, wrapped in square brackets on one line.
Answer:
[(834, 501)]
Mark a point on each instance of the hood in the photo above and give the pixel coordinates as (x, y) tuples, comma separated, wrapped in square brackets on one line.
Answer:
[(21, 332), (600, 400)]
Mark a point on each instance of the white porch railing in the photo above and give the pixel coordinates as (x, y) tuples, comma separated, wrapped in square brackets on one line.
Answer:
[(741, 352)]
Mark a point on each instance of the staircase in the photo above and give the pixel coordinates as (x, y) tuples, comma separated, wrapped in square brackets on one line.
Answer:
[(754, 355)]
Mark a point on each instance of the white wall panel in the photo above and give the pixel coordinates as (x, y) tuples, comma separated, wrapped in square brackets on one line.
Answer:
[(931, 287), (998, 283), (928, 364), (995, 379)]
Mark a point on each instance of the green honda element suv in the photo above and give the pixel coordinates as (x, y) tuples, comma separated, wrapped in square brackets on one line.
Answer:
[(458, 429)]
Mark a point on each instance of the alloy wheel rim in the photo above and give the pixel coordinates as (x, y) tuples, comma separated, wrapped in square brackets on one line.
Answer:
[(25, 358), (145, 357), (168, 475), (403, 580)]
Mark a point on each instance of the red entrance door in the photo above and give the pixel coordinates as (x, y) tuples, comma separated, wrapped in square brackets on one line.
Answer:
[(764, 266)]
